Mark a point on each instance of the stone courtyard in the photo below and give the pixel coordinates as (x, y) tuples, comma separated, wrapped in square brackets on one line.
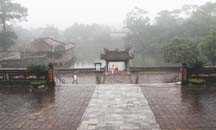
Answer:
[(109, 107)]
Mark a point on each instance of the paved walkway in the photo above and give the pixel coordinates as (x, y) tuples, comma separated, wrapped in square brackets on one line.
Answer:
[(118, 107), (109, 107)]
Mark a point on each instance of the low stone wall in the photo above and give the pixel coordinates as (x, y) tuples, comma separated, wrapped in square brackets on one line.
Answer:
[(76, 70), (142, 69)]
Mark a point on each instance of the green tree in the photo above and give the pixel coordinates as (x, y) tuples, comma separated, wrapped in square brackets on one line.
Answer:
[(208, 46), (10, 10), (179, 51), (7, 39)]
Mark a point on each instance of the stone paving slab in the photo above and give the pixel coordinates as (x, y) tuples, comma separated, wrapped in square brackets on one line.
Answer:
[(118, 107)]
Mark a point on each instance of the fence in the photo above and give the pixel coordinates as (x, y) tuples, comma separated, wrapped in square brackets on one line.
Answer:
[(20, 76), (208, 73)]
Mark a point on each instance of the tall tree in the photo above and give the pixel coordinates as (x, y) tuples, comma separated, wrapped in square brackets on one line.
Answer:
[(10, 10), (180, 51), (208, 46)]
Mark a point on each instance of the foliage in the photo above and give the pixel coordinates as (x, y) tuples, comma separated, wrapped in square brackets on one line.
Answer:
[(7, 39), (146, 35), (179, 51), (209, 46), (197, 63), (38, 82), (197, 81), (10, 10), (37, 68)]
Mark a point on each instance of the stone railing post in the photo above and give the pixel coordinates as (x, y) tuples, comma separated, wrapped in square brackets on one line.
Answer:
[(184, 74), (51, 76)]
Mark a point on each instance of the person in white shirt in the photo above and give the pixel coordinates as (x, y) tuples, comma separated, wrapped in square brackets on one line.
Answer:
[(75, 79)]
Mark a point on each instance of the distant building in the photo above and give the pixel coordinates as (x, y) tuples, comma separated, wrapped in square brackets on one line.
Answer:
[(57, 52), (44, 51)]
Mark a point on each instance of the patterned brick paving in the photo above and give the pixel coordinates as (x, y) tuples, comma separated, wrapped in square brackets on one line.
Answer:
[(59, 109), (174, 107), (178, 108)]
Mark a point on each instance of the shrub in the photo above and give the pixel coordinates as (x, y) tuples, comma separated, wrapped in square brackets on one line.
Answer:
[(197, 63), (37, 68)]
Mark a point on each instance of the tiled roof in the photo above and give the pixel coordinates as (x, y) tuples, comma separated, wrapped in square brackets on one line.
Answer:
[(116, 55), (54, 43)]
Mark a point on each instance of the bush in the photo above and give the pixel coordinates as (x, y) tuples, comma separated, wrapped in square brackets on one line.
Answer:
[(197, 81), (37, 68), (197, 63), (38, 82)]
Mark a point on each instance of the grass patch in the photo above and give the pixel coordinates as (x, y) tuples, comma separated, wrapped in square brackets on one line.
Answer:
[(38, 82), (197, 81)]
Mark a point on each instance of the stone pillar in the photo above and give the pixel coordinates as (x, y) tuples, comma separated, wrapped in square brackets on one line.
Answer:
[(126, 65), (107, 66), (184, 74), (51, 76)]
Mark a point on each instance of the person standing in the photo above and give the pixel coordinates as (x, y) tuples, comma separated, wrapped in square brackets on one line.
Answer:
[(75, 79)]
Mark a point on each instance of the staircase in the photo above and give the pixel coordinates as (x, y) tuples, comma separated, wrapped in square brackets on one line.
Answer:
[(117, 79)]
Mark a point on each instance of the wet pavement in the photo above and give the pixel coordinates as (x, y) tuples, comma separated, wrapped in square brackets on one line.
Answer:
[(182, 108), (67, 107), (59, 109), (82, 78), (118, 107)]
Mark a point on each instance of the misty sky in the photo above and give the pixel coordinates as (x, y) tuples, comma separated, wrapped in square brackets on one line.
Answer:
[(63, 13)]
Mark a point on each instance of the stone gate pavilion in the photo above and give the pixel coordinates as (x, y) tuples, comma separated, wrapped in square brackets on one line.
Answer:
[(117, 56)]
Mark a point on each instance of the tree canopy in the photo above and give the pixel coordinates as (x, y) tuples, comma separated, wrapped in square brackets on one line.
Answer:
[(146, 34), (180, 51), (208, 46), (10, 10)]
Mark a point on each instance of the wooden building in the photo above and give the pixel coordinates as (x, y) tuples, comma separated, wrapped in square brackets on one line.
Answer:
[(59, 53)]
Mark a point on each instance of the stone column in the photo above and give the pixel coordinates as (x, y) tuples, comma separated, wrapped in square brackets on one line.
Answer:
[(107, 66), (51, 76), (184, 74), (125, 66)]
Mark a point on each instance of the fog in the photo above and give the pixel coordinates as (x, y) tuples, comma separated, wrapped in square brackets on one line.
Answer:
[(63, 13), (144, 26)]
